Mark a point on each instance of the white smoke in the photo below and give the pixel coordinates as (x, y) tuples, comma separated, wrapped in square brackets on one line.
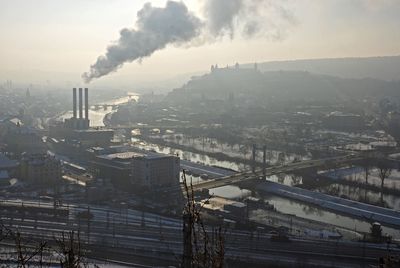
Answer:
[(174, 24), (221, 15), (249, 18), (155, 28)]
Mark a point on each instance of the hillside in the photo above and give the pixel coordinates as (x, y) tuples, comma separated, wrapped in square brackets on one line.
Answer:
[(384, 68), (283, 86)]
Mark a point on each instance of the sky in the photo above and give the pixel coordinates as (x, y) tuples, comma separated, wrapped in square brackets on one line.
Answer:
[(55, 41)]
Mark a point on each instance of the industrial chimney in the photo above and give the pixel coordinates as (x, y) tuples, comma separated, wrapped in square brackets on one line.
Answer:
[(74, 101), (80, 103), (86, 103)]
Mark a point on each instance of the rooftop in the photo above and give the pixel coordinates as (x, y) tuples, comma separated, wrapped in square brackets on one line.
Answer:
[(131, 155), (120, 156), (94, 130)]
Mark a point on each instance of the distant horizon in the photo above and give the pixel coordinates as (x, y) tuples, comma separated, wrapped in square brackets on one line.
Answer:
[(68, 39), (55, 79)]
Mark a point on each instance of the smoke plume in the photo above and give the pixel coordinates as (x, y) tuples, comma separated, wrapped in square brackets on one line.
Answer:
[(174, 24), (268, 18), (155, 28), (221, 14)]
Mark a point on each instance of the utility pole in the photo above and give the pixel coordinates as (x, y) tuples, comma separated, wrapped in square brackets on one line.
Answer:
[(264, 164), (253, 167), (264, 167), (247, 211), (108, 219), (88, 224), (143, 224)]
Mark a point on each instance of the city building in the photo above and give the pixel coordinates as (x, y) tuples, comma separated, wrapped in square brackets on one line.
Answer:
[(8, 169), (135, 170), (40, 168), (19, 138), (155, 170)]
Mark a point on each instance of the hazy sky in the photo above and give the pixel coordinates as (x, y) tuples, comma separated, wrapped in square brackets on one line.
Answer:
[(67, 36)]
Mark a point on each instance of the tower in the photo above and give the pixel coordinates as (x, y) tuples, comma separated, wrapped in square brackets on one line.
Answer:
[(74, 102), (86, 103)]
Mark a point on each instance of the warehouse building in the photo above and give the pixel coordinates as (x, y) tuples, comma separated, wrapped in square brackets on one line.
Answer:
[(135, 170)]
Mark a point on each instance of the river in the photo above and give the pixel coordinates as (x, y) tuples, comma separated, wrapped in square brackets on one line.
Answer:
[(96, 116), (233, 192)]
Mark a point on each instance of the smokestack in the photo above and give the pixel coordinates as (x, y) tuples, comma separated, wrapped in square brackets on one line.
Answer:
[(87, 103), (74, 101), (80, 103)]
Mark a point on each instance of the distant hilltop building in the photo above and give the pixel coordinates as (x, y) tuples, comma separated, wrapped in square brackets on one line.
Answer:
[(214, 68)]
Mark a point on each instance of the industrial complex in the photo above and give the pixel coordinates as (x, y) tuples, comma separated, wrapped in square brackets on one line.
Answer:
[(76, 131)]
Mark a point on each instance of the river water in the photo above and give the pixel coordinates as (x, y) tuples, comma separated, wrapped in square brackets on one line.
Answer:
[(233, 192), (96, 116), (281, 204)]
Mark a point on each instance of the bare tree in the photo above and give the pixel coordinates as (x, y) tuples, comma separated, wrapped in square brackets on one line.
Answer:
[(367, 173), (244, 150), (200, 251), (69, 250), (24, 254), (384, 172), (26, 249)]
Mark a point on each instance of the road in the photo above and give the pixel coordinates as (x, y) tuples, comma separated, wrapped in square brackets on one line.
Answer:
[(344, 206)]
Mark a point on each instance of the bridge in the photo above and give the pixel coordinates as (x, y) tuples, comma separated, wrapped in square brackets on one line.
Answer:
[(274, 170), (104, 106), (339, 205), (153, 126)]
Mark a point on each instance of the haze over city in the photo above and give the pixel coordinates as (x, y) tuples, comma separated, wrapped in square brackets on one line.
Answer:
[(62, 39), (200, 133)]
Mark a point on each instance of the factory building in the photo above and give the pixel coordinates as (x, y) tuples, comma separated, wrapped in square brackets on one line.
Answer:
[(137, 170), (76, 130), (155, 170), (75, 122)]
